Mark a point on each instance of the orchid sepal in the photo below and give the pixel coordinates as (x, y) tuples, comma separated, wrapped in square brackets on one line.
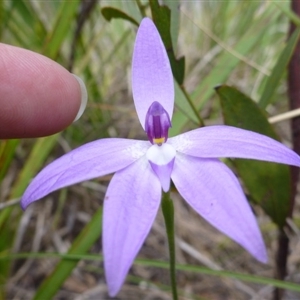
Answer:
[(232, 142), (152, 78)]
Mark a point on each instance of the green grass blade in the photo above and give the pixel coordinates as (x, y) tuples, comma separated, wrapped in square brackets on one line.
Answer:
[(226, 63), (164, 265), (29, 16), (88, 236), (284, 7), (61, 29), (278, 70), (34, 162), (36, 159), (7, 151), (23, 22)]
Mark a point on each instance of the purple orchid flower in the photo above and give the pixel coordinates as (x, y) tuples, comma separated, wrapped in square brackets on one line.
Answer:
[(144, 168)]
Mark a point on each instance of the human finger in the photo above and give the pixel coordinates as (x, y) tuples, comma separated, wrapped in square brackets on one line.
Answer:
[(38, 97)]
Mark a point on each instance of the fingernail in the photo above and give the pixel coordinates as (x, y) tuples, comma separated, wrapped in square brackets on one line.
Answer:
[(84, 98)]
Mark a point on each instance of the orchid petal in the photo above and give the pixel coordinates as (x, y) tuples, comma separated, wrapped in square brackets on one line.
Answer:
[(211, 188), (130, 206), (227, 141), (161, 159), (89, 161), (152, 78), (163, 172)]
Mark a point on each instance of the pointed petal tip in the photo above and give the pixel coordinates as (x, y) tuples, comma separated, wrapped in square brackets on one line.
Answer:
[(228, 141), (114, 284), (23, 206), (260, 254), (166, 187), (147, 22), (222, 204), (89, 161), (25, 202), (113, 291), (264, 259)]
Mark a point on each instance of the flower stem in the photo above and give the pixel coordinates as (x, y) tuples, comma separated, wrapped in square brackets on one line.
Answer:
[(168, 212), (193, 107)]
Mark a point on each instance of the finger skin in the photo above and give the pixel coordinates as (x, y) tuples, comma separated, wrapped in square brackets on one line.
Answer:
[(38, 97)]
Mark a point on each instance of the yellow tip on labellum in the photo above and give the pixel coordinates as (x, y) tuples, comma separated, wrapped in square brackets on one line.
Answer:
[(159, 141)]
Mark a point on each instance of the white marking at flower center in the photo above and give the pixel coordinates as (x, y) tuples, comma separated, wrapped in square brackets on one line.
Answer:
[(161, 155)]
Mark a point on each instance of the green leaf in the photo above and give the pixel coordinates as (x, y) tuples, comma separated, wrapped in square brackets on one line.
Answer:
[(87, 237), (110, 13), (162, 18), (267, 183), (277, 72), (175, 18)]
